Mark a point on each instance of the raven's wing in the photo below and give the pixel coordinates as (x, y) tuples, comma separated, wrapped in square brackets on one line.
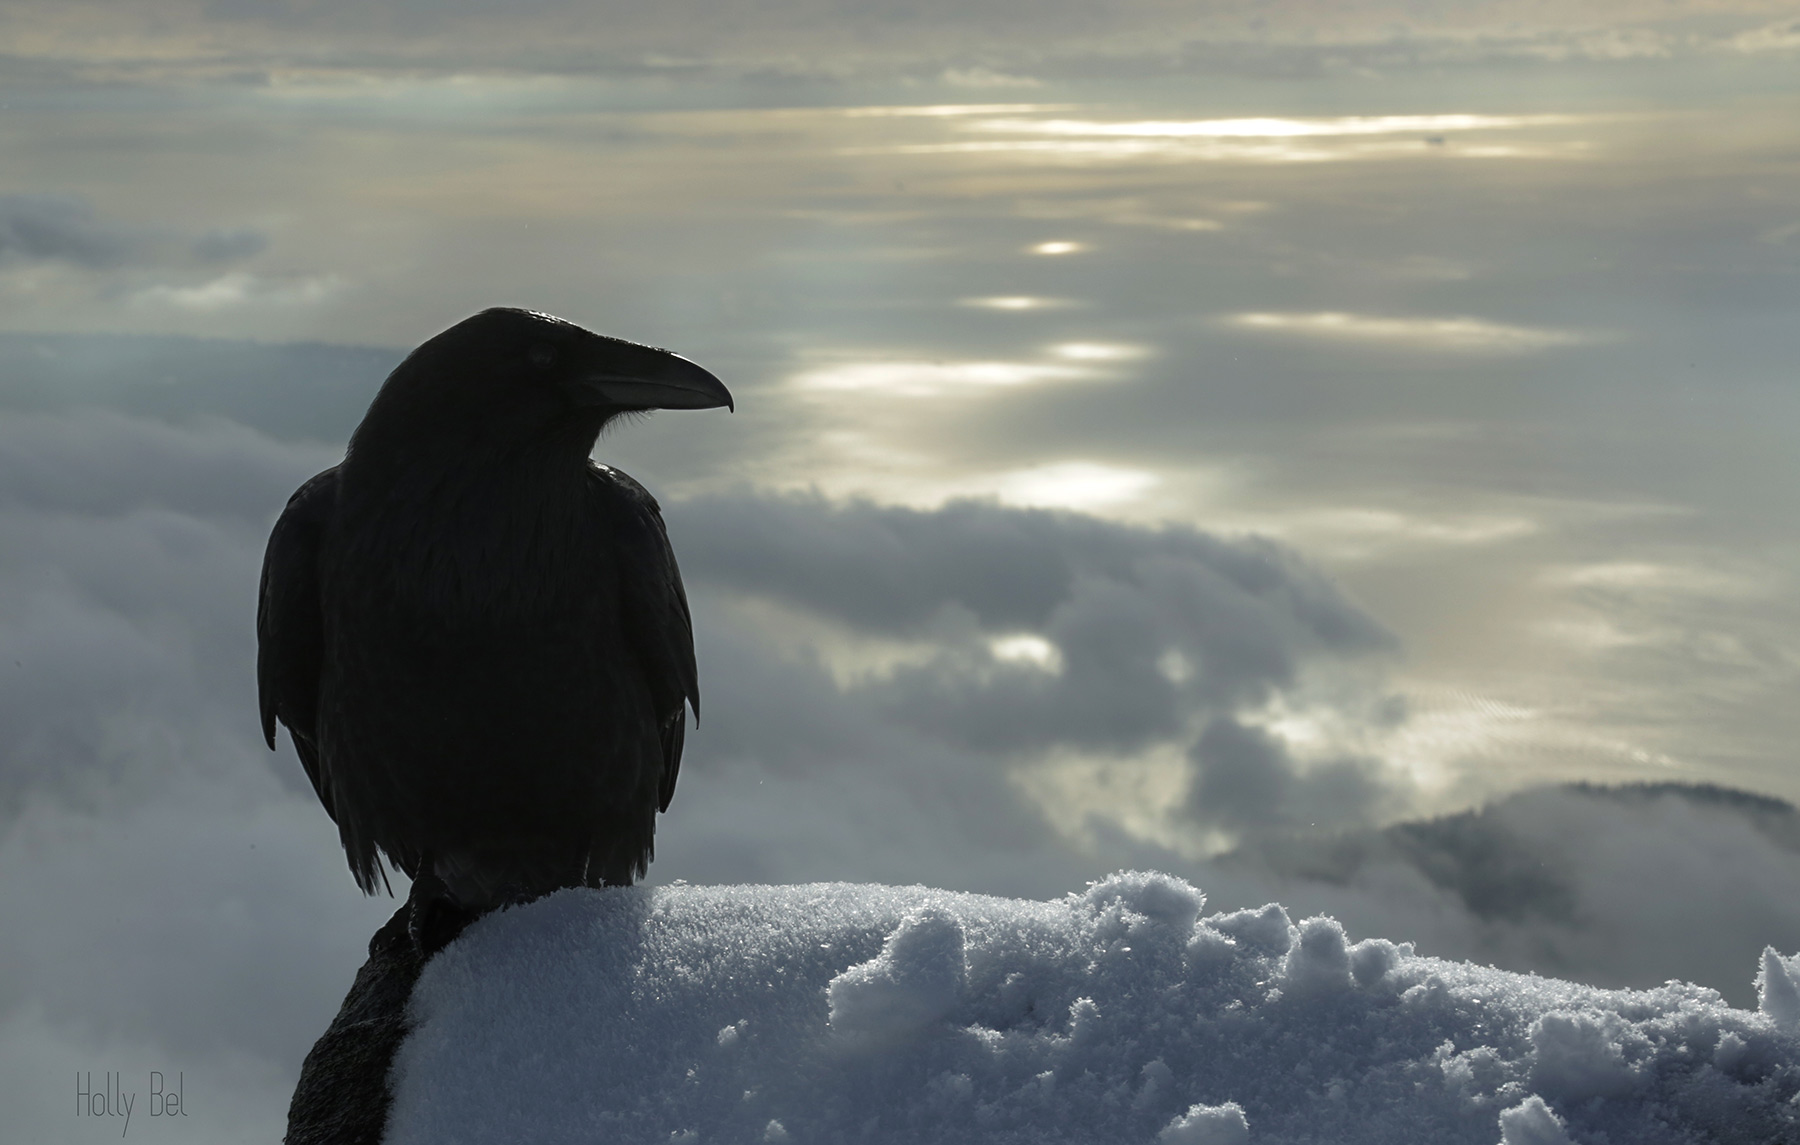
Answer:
[(290, 626), (657, 627)]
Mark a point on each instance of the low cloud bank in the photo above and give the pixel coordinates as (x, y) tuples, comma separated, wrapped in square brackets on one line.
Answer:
[(827, 1012), (1618, 886)]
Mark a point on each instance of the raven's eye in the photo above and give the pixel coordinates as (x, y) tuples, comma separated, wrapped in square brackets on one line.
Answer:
[(541, 354)]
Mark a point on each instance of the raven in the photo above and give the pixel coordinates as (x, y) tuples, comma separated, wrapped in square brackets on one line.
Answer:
[(476, 636)]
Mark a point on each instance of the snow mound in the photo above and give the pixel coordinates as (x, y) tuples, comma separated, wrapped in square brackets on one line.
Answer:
[(833, 1012)]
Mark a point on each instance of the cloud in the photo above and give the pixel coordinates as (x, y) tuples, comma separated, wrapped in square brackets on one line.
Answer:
[(66, 228), (128, 558), (1016, 302), (230, 244), (1461, 335), (1783, 36), (925, 379), (995, 44), (1032, 636), (886, 568), (981, 696), (1245, 778), (1620, 886), (63, 228), (980, 77), (237, 289), (302, 390), (1084, 485), (176, 897), (1269, 127)]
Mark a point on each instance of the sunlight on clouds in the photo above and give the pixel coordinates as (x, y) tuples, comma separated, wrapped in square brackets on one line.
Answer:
[(1057, 246), (1175, 667), (1017, 302), (1262, 139), (1653, 577), (1098, 351), (949, 110), (932, 379), (1465, 529), (1357, 533), (1589, 634), (921, 378), (1448, 729), (1461, 335), (1028, 648), (852, 658), (1082, 485), (1184, 214), (1779, 37), (1270, 128), (1443, 749), (987, 78), (1143, 797), (236, 289), (1471, 745)]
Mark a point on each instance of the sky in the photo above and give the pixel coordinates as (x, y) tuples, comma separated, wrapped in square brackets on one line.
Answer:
[(1165, 438)]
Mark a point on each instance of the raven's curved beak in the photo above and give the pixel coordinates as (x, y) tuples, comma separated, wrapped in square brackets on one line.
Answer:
[(625, 375)]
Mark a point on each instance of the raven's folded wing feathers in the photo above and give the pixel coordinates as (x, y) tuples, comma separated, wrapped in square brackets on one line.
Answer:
[(290, 628), (656, 622)]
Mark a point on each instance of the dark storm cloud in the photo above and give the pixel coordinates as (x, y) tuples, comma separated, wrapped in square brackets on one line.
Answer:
[(66, 228), (1142, 629)]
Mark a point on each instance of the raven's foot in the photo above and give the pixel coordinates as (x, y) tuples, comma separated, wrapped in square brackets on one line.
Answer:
[(433, 917)]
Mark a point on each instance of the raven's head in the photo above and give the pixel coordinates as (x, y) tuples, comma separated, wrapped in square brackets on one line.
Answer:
[(518, 378)]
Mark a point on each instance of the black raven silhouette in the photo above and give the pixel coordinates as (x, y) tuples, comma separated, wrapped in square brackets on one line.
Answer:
[(476, 636)]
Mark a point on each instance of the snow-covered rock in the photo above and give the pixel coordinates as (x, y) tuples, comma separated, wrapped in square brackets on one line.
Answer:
[(834, 1012)]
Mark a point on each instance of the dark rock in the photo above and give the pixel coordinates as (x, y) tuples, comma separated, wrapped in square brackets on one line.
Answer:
[(343, 1097)]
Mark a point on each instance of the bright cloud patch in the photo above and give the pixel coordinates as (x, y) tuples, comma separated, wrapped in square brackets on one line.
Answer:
[(237, 289), (932, 379), (917, 378), (1270, 128), (1458, 335), (948, 110), (1072, 485), (1097, 351), (1027, 648), (1017, 302)]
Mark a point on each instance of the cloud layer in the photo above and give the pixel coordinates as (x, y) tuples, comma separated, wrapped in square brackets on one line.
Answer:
[(985, 46), (975, 696)]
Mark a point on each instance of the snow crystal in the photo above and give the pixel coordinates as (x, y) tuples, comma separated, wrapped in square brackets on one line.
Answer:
[(832, 1013)]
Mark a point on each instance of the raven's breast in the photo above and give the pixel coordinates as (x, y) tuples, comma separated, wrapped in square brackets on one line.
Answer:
[(477, 688)]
